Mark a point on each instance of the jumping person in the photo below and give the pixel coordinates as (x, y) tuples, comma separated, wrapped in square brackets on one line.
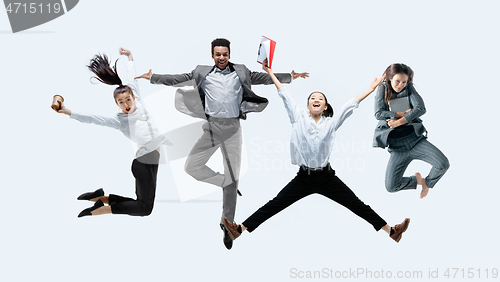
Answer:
[(313, 133), (404, 133), (224, 96), (134, 122)]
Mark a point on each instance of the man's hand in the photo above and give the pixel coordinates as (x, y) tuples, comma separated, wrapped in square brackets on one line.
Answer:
[(146, 75), (297, 75)]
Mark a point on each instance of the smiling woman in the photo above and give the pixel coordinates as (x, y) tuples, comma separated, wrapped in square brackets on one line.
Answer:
[(134, 122), (313, 133), (317, 101)]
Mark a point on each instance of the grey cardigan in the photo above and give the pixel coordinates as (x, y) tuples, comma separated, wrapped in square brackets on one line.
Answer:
[(382, 113)]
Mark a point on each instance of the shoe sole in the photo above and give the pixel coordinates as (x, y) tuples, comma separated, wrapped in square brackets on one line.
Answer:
[(88, 211)]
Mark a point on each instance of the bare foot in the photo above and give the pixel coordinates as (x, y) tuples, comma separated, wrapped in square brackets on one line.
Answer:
[(421, 181)]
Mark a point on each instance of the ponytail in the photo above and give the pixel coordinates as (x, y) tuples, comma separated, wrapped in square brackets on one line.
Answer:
[(107, 74), (329, 110)]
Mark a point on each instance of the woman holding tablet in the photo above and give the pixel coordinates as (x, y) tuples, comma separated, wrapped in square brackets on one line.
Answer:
[(403, 132)]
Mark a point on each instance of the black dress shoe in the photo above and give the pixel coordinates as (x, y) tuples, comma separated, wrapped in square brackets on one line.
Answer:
[(88, 211), (228, 242), (91, 195)]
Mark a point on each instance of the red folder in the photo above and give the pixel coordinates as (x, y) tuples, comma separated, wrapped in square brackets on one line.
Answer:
[(266, 51)]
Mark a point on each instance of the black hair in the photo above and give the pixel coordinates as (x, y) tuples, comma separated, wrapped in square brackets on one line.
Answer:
[(222, 42), (100, 65), (329, 110)]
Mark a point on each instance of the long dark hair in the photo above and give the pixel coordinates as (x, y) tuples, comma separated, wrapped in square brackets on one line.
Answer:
[(329, 110), (390, 72), (100, 65)]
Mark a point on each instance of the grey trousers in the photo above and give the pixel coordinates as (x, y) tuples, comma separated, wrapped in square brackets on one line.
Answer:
[(226, 135), (406, 149)]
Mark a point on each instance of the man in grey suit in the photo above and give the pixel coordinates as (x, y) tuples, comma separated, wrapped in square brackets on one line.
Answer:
[(222, 96)]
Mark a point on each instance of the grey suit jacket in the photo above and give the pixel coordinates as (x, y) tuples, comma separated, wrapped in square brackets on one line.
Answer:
[(382, 113), (192, 102)]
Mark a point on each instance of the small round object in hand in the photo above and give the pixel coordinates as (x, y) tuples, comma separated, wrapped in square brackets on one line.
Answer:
[(57, 102)]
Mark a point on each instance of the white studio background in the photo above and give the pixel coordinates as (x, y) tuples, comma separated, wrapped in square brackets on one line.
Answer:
[(49, 159)]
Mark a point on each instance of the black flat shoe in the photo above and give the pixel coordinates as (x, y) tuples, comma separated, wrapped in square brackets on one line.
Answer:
[(91, 195), (88, 211)]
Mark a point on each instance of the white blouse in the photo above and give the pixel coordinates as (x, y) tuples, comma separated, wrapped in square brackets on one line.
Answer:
[(138, 126), (311, 143)]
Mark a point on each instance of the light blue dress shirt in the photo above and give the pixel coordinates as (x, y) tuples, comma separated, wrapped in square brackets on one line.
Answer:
[(223, 93)]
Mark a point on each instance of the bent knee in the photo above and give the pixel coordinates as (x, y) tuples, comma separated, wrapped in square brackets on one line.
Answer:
[(391, 188), (146, 211), (443, 165), (190, 166), (446, 164), (194, 173), (190, 169)]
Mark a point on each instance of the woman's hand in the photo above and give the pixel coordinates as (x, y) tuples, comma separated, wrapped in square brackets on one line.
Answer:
[(276, 82), (401, 114), (127, 53), (393, 123), (374, 85), (64, 110), (376, 82), (265, 68), (145, 76)]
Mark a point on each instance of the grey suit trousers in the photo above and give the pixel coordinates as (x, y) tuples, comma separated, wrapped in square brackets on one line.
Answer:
[(226, 135), (406, 149)]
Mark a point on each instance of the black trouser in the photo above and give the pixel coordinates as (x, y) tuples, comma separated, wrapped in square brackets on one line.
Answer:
[(308, 182), (145, 170)]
